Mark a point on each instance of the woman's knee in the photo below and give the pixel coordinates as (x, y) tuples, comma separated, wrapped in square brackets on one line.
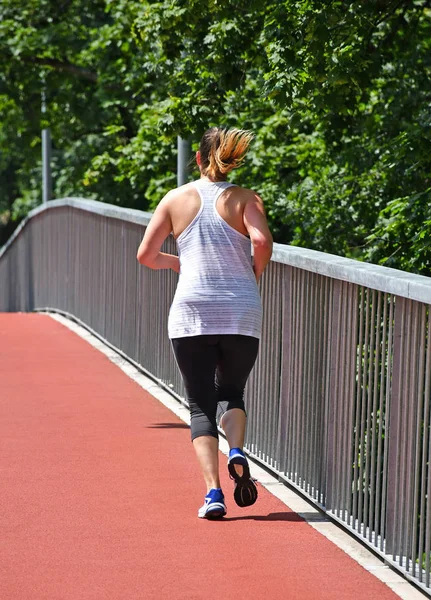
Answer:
[(202, 420), (196, 433)]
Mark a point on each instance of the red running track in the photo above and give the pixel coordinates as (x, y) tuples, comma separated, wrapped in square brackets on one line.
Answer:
[(100, 489)]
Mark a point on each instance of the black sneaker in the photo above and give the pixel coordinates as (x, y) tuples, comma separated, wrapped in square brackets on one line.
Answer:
[(245, 492)]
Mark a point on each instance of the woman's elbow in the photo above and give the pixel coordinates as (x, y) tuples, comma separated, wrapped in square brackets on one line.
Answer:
[(143, 257), (263, 243)]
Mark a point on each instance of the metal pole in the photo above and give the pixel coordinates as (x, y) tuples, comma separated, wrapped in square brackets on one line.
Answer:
[(183, 148), (46, 166), (46, 159)]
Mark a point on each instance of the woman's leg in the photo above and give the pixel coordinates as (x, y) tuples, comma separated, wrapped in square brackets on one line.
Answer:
[(206, 448), (197, 360), (237, 357), (233, 424)]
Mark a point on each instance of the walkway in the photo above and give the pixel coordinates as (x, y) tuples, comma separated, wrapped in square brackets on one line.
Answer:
[(100, 488)]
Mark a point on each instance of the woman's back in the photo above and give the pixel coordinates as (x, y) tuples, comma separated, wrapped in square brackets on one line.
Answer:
[(185, 202), (217, 291)]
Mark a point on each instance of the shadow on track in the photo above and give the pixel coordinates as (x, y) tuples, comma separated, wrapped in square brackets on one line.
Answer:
[(168, 426), (278, 516)]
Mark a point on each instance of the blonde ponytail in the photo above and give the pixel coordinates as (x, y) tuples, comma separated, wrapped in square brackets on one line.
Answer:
[(223, 150)]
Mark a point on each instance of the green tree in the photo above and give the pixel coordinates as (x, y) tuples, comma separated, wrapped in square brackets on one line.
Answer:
[(338, 94)]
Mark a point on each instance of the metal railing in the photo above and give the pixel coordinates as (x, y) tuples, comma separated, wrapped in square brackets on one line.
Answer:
[(339, 400)]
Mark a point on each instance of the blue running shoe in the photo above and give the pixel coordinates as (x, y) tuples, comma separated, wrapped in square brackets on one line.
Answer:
[(214, 507), (245, 492)]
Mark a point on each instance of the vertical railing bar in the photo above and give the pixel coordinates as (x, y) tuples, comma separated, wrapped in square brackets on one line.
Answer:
[(368, 412), (315, 369), (291, 378), (352, 346), (342, 400), (320, 424), (250, 401), (377, 511), (346, 332), (328, 351), (294, 373), (320, 387), (275, 379), (361, 519), (287, 368), (425, 531), (311, 380), (293, 370), (124, 286), (263, 416), (285, 354), (407, 393), (277, 279), (411, 441), (333, 413), (401, 376), (358, 409), (420, 437), (306, 417), (374, 417), (259, 412), (428, 503), (269, 399), (388, 392), (276, 294), (298, 400), (335, 388), (261, 422), (314, 379)]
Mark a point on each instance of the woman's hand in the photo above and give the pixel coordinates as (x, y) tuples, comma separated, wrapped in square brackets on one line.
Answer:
[(174, 262)]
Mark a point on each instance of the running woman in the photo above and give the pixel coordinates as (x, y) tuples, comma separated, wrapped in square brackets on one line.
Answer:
[(215, 318)]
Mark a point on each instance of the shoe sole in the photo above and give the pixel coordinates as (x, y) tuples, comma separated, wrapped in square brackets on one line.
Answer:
[(217, 512), (245, 493)]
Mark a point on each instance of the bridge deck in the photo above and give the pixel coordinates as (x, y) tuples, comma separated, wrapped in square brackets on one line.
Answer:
[(100, 488)]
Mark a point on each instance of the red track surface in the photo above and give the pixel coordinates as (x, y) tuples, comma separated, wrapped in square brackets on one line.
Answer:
[(100, 489)]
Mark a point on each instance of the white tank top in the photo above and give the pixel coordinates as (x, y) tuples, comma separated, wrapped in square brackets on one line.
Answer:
[(217, 291)]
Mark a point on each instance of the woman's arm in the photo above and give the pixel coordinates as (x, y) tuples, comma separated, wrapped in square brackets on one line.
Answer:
[(157, 231), (260, 236)]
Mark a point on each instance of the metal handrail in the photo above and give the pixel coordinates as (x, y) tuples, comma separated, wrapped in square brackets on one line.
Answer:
[(384, 279)]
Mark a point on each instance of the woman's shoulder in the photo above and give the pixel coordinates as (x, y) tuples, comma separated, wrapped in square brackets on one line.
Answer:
[(180, 192), (182, 189), (245, 194), (190, 190)]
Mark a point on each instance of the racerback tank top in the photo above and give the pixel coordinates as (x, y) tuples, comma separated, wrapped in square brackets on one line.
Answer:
[(217, 291)]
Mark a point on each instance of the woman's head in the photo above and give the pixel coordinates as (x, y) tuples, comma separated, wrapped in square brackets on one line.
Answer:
[(222, 150)]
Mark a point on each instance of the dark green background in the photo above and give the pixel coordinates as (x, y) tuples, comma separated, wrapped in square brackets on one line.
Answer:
[(337, 93)]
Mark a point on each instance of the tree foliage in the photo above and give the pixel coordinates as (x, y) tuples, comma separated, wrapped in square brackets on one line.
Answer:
[(338, 95)]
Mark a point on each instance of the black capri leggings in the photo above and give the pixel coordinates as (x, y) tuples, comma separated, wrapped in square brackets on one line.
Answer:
[(215, 369)]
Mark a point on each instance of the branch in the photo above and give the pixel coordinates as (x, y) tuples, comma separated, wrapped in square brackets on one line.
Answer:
[(390, 12), (62, 66), (388, 15)]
